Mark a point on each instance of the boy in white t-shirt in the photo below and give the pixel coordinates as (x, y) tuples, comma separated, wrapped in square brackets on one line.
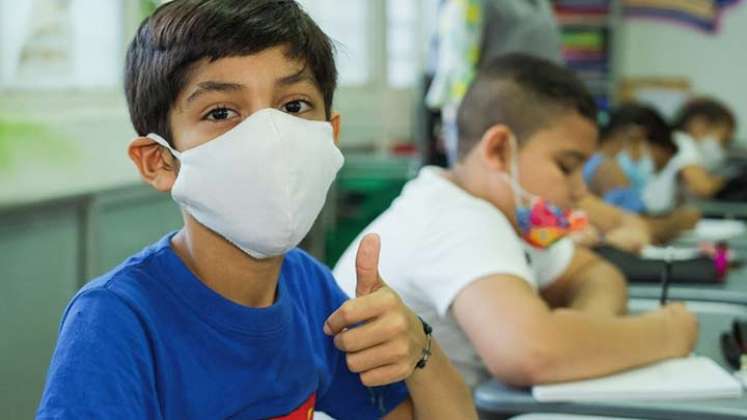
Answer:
[(452, 242), (705, 129)]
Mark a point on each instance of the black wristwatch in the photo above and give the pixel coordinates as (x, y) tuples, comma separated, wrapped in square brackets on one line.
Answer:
[(426, 354)]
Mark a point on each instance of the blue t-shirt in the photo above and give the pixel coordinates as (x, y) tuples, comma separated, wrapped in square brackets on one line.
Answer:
[(628, 198), (149, 340)]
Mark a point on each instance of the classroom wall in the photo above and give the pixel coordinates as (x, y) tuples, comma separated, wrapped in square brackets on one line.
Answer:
[(716, 64)]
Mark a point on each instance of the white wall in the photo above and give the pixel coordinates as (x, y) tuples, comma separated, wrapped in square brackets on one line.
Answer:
[(716, 64)]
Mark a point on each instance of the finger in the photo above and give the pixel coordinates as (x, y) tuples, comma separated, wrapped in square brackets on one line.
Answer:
[(391, 352), (358, 310), (371, 333), (367, 265), (386, 375)]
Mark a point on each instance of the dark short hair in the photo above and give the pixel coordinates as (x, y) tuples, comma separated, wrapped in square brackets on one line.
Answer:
[(712, 110), (523, 92), (182, 32), (658, 131)]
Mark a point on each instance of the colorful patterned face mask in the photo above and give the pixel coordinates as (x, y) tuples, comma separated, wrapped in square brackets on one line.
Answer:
[(541, 223)]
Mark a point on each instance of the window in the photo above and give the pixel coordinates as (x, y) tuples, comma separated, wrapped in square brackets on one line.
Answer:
[(403, 54), (53, 43), (347, 23)]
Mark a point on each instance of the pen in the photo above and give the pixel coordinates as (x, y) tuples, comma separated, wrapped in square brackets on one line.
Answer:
[(665, 277)]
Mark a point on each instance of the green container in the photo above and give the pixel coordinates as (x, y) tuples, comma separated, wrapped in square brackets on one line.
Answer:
[(365, 188)]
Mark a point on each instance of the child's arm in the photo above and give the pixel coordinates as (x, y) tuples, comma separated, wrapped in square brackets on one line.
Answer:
[(700, 182), (523, 342), (667, 227), (589, 284), (384, 340), (621, 229)]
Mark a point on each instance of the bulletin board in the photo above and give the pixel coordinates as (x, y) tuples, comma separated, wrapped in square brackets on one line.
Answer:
[(667, 94)]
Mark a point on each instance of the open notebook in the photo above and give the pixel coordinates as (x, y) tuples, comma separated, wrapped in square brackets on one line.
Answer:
[(715, 230), (692, 377)]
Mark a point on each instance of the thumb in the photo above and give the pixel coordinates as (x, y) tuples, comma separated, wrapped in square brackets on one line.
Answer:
[(367, 265)]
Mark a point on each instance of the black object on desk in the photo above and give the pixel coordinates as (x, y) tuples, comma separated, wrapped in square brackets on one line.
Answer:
[(665, 278), (734, 343), (700, 270)]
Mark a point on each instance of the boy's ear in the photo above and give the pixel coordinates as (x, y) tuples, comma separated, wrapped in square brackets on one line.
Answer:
[(335, 120), (496, 149), (155, 163)]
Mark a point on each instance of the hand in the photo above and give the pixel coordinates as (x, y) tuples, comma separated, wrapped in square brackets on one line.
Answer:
[(681, 328), (628, 239), (588, 236), (382, 338)]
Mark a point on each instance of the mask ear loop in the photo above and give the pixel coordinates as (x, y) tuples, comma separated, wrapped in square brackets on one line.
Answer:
[(513, 177), (161, 141)]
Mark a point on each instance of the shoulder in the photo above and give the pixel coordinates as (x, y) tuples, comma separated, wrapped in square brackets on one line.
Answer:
[(131, 287), (134, 277)]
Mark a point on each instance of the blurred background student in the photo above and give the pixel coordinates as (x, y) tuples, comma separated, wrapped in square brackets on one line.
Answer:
[(636, 148)]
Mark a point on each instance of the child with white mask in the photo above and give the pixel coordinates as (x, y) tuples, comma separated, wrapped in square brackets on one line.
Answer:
[(705, 128), (225, 318)]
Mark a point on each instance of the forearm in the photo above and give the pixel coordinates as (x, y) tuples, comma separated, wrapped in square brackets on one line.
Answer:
[(601, 289), (701, 183), (666, 228), (438, 391), (603, 216), (583, 346)]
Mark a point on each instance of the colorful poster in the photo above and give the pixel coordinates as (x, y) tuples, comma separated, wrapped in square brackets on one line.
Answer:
[(700, 14)]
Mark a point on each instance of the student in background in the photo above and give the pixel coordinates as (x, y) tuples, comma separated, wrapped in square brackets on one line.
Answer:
[(456, 243), (232, 103), (705, 128), (635, 147)]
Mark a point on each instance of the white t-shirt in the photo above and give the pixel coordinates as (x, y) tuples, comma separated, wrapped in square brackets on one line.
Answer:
[(435, 240), (661, 190)]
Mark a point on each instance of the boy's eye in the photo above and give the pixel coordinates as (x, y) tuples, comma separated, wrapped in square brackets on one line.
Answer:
[(566, 168), (296, 107), (220, 114)]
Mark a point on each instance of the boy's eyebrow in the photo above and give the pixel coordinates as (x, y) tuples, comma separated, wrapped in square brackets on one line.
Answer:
[(300, 76), (213, 86), (574, 154)]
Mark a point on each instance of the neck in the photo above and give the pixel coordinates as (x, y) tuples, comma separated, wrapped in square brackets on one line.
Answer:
[(226, 269), (473, 181)]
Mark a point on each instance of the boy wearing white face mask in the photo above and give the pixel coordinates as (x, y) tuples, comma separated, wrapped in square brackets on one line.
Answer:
[(478, 249), (232, 102), (705, 129)]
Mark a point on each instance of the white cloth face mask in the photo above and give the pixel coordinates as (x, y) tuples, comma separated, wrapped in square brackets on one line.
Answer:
[(713, 154), (262, 184), (659, 194)]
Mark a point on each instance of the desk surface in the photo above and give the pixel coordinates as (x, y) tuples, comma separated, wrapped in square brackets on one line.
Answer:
[(734, 290), (497, 398), (721, 209)]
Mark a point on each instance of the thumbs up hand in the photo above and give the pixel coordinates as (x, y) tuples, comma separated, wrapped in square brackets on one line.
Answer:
[(382, 338)]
